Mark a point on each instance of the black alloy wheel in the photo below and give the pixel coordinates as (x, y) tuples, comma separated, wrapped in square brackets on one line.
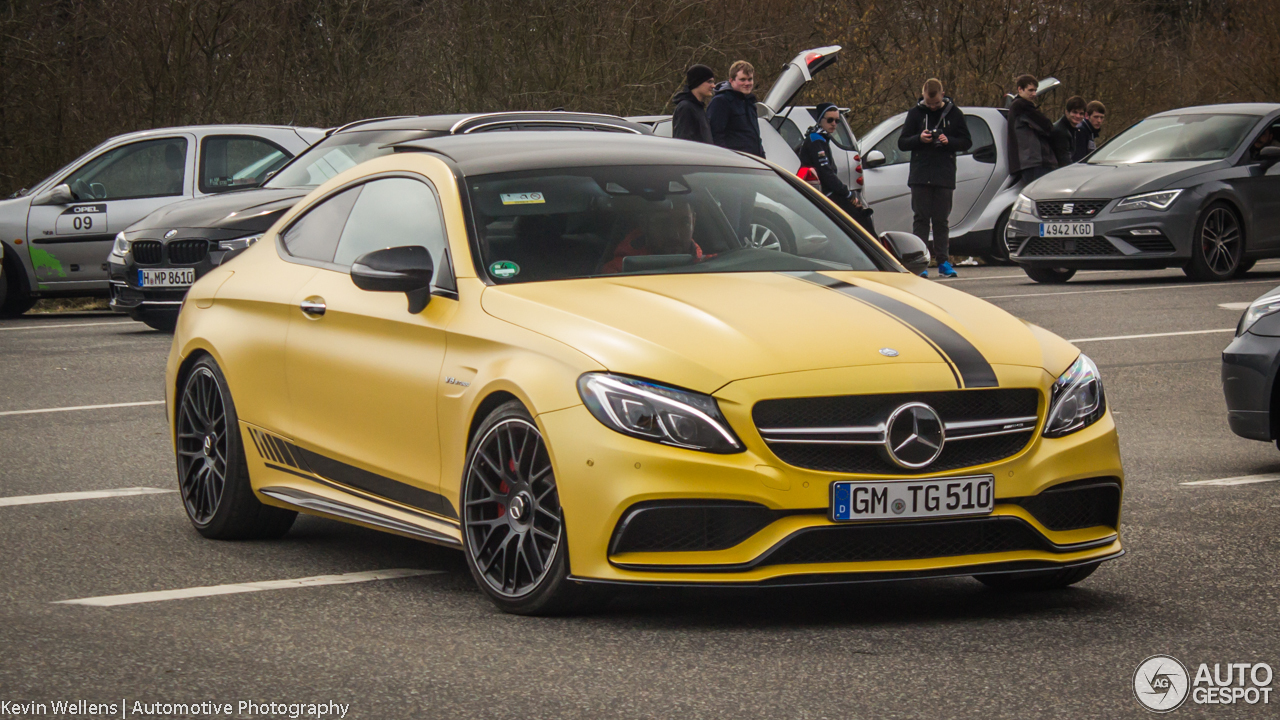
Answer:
[(1217, 245), (1049, 276), (213, 473), (513, 527), (999, 241)]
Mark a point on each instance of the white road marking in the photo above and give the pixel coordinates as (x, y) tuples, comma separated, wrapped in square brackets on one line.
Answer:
[(1241, 480), (87, 495), (1151, 335), (1235, 306), (81, 407), (209, 590), (1184, 286), (67, 325), (1082, 272)]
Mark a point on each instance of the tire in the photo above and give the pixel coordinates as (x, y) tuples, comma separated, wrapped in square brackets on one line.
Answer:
[(770, 232), (1216, 245), (999, 249), (1037, 580), (164, 322), (213, 475), (513, 530), (1049, 276), (13, 301)]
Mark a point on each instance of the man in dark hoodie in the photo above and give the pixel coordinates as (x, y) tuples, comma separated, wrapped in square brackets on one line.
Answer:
[(732, 112), (934, 132), (689, 121), (1067, 131), (1030, 152), (816, 153)]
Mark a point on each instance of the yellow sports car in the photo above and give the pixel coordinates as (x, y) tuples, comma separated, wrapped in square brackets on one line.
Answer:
[(592, 360)]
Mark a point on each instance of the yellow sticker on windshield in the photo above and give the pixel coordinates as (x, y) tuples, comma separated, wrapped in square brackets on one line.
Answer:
[(529, 198)]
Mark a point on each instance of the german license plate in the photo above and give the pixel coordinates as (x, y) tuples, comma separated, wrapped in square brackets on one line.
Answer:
[(177, 277), (894, 499), (1068, 230)]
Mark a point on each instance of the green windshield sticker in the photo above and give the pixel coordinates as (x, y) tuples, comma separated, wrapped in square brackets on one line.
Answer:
[(529, 198), (504, 269)]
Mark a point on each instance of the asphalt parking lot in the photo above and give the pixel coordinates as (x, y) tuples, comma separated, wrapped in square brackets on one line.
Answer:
[(1199, 581)]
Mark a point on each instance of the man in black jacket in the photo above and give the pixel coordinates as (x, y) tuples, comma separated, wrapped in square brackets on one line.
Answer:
[(934, 132), (816, 153), (732, 112), (1067, 131), (1030, 152), (689, 121)]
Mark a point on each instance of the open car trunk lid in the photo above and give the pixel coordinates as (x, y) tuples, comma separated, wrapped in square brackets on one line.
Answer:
[(799, 71)]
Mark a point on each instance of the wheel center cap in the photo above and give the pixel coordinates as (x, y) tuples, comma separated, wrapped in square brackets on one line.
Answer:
[(519, 507), (208, 445)]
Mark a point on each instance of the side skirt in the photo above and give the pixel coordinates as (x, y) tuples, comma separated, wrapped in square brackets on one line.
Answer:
[(314, 504)]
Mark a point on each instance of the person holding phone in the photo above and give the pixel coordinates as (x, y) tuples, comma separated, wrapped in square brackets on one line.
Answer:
[(934, 132)]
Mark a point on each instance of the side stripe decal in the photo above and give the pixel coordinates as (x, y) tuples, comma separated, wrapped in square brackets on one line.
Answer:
[(965, 359)]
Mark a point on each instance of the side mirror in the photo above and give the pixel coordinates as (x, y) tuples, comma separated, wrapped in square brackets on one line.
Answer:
[(874, 159), (57, 195), (909, 249), (985, 154), (1269, 154), (407, 269)]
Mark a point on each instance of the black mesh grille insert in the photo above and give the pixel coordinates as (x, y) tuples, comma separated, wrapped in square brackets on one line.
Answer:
[(146, 252), (1084, 504), (1078, 209), (188, 252), (677, 526), (907, 541), (1054, 247), (864, 410), (1151, 244)]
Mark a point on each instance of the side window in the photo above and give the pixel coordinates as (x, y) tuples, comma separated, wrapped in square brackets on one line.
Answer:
[(889, 146), (393, 212), (151, 168), (315, 235), (791, 133), (980, 131), (234, 162)]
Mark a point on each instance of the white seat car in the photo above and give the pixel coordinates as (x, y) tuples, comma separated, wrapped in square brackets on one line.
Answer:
[(57, 235)]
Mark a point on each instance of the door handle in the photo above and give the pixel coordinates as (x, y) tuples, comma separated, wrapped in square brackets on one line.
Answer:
[(313, 307)]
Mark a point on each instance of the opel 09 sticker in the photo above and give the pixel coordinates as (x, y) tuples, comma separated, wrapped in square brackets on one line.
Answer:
[(504, 269), (82, 220), (529, 198)]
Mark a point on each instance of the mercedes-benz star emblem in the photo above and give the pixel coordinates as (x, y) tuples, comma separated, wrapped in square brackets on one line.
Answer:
[(914, 436), (170, 234), (888, 352)]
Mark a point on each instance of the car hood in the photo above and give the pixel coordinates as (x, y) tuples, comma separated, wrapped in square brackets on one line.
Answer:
[(249, 210), (1105, 182), (705, 331)]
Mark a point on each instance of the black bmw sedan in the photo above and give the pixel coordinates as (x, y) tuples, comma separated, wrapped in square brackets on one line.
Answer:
[(1194, 188), (155, 260)]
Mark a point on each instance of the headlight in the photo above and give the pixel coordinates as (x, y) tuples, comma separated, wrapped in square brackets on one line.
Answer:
[(1077, 400), (239, 243), (1149, 201), (657, 413), (1259, 309), (121, 246), (1024, 205)]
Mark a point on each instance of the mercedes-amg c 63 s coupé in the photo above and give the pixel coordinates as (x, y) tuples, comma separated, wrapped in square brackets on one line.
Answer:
[(561, 354)]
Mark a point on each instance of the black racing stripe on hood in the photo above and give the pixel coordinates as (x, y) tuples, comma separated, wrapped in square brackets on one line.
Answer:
[(967, 360)]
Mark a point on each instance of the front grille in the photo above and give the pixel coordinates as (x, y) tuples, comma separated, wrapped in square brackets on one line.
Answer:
[(871, 411), (1054, 247), (146, 252), (1072, 506), (1151, 244), (907, 541), (687, 526), (1077, 209), (188, 252)]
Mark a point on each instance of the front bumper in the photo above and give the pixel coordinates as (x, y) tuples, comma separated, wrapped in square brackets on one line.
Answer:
[(1249, 366), (602, 475), (1113, 245), (128, 297)]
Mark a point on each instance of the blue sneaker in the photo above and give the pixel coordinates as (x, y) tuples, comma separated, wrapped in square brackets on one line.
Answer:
[(924, 273), (945, 269)]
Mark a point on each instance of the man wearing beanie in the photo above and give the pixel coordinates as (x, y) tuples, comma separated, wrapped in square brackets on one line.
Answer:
[(689, 121)]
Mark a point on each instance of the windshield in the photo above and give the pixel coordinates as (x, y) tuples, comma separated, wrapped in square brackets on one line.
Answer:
[(338, 152), (1179, 137), (588, 222)]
